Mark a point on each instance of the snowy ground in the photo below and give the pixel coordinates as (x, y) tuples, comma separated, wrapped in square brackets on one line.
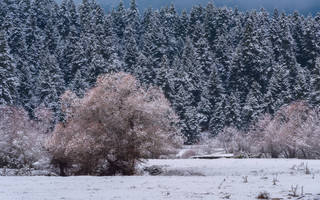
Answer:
[(180, 180)]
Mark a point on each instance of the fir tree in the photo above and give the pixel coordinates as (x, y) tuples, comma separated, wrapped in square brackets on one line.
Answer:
[(214, 97), (278, 92), (133, 18), (232, 111), (209, 23), (120, 20), (310, 45), (253, 107), (78, 85), (8, 79), (315, 84), (164, 78), (50, 83)]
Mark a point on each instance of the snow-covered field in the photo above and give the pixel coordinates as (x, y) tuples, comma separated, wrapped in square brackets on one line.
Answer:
[(180, 180)]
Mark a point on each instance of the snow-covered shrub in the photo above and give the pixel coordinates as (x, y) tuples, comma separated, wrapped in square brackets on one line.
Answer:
[(293, 132), (22, 139), (263, 138), (116, 124), (188, 154), (232, 140)]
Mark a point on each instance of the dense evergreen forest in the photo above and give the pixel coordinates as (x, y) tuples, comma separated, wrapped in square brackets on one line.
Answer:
[(218, 67)]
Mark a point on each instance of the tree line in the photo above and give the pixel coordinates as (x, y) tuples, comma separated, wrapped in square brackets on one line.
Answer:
[(218, 67)]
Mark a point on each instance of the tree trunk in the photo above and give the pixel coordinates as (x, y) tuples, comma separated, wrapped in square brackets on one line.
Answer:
[(62, 167)]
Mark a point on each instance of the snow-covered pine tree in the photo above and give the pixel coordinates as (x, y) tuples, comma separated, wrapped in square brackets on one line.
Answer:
[(8, 76), (50, 83), (153, 46), (133, 20), (253, 107), (85, 16), (78, 85), (301, 88), (245, 66), (311, 44), (278, 92), (203, 54), (191, 67), (210, 23), (212, 104), (297, 27), (131, 52), (233, 110), (315, 85), (119, 20), (79, 59)]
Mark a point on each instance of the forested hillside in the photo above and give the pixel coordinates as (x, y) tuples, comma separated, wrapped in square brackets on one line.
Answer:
[(218, 67)]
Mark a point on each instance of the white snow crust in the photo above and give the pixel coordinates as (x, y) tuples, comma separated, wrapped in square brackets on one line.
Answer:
[(180, 180)]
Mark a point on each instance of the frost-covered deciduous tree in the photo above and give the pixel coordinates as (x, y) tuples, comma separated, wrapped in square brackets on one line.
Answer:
[(114, 126), (292, 133), (232, 140), (22, 139)]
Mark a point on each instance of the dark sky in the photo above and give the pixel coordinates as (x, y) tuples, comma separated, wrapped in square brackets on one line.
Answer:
[(303, 6)]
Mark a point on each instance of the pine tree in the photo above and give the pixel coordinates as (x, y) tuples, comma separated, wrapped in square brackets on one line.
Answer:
[(79, 59), (315, 84), (74, 15), (50, 83), (191, 127), (78, 85), (164, 78), (85, 16), (310, 45), (153, 45), (301, 87), (218, 119), (66, 54), (286, 51), (96, 67), (109, 47), (189, 117), (253, 107), (222, 21), (51, 38), (204, 56), (131, 53), (212, 104), (184, 21), (191, 66), (232, 111), (223, 56), (120, 20), (133, 18), (278, 92), (8, 78), (297, 34), (63, 23), (245, 66), (196, 14), (25, 74), (170, 31), (210, 23)]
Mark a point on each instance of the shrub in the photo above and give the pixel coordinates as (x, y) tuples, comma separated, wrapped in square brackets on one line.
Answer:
[(116, 124), (232, 140), (21, 139), (293, 132), (188, 154)]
